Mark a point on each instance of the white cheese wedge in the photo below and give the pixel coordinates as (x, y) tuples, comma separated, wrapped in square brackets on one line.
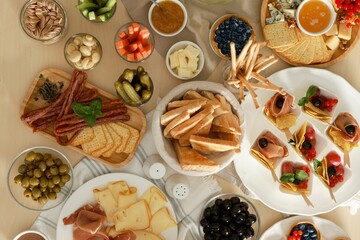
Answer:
[(185, 72), (174, 60), (193, 64), (182, 59), (333, 42), (191, 52), (289, 13), (344, 32), (185, 61), (333, 30)]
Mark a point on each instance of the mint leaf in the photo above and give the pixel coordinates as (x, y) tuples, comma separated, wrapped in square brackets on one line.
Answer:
[(311, 91), (81, 110), (301, 175), (90, 120), (303, 101), (287, 177), (317, 163)]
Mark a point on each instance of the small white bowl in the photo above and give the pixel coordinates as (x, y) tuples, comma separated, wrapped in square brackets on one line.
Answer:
[(181, 45), (168, 34), (30, 234), (332, 17)]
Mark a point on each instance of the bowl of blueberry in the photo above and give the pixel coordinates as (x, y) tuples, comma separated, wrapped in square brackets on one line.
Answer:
[(229, 216), (304, 230), (230, 28)]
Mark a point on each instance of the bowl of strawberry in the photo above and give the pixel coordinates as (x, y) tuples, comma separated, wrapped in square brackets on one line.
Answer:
[(304, 230), (134, 42)]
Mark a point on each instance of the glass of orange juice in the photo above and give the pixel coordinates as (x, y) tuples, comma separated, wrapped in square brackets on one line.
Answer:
[(315, 17)]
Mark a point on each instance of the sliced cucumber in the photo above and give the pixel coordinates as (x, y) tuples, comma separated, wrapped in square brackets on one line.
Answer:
[(103, 10), (87, 5), (85, 12), (92, 15), (102, 17), (110, 3)]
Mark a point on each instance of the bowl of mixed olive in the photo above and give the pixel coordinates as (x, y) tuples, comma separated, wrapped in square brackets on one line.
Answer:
[(40, 178)]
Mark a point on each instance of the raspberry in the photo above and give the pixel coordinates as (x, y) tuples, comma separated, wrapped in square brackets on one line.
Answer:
[(340, 178)]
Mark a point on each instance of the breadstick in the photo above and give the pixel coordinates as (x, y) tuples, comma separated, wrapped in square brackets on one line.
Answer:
[(265, 65), (233, 61), (267, 82), (243, 53), (263, 59), (250, 89), (252, 63), (262, 44), (241, 91), (250, 56)]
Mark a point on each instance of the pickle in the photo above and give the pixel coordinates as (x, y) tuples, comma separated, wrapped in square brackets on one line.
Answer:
[(131, 93), (145, 95), (137, 87), (128, 75), (145, 80), (140, 69), (121, 92)]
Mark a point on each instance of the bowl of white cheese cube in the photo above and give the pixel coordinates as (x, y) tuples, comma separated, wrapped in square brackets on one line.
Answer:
[(185, 60)]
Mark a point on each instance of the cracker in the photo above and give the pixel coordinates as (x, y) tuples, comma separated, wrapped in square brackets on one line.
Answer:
[(108, 146), (85, 135), (280, 35), (134, 137), (124, 133), (117, 141), (98, 141)]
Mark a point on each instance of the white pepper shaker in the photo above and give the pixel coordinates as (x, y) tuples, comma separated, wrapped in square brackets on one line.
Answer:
[(153, 167), (177, 186)]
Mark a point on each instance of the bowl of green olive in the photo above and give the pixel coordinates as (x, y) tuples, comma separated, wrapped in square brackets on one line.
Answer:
[(40, 178)]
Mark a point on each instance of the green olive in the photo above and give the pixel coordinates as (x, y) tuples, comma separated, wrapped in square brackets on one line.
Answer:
[(25, 183), (47, 156), (57, 189), (22, 169), (61, 184), (30, 156), (50, 162), (65, 178), (39, 156), (52, 196), (54, 170), (42, 200), (34, 181), (64, 168), (43, 189), (30, 173), (42, 166), (48, 174), (51, 184), (35, 192), (31, 166), (38, 173), (44, 181), (27, 193), (18, 178), (56, 179), (34, 199), (58, 162)]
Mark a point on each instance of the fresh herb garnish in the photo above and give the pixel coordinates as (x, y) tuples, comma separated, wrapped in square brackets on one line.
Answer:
[(49, 91), (309, 93), (292, 142), (88, 112), (317, 164), (290, 177)]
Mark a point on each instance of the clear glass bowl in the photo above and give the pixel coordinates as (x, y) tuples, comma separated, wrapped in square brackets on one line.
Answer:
[(223, 196), (97, 20), (81, 65), (17, 191), (125, 28), (45, 39)]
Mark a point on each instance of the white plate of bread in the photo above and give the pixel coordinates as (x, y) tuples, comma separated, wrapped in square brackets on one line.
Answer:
[(140, 207), (259, 180), (198, 127)]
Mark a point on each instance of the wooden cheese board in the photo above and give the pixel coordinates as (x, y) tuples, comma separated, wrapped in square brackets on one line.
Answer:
[(31, 102), (337, 55)]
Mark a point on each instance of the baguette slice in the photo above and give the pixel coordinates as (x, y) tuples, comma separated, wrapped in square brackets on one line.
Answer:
[(185, 126), (207, 145), (231, 137), (167, 117), (191, 160), (202, 128), (176, 121), (192, 94), (179, 103)]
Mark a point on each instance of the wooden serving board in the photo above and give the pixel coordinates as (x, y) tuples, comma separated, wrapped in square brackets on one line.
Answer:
[(137, 117), (337, 56)]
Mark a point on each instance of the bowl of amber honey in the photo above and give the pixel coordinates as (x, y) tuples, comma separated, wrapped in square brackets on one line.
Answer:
[(315, 17), (168, 17)]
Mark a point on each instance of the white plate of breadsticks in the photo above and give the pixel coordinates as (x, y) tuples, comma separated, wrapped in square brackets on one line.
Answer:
[(131, 203), (198, 128)]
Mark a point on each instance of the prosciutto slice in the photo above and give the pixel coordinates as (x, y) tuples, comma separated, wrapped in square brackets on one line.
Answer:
[(344, 120), (89, 221), (126, 235), (286, 106), (274, 148), (79, 234)]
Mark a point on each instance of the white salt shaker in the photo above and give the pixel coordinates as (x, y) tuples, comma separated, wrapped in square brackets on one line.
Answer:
[(153, 167), (177, 186)]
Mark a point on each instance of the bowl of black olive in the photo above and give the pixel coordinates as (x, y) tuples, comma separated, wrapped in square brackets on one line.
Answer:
[(40, 178), (229, 216)]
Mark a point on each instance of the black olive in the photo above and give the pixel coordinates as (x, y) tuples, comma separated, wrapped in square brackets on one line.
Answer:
[(215, 226), (296, 181), (252, 218), (306, 145), (225, 218), (317, 102), (240, 219), (208, 236), (218, 202), (204, 223), (227, 204), (236, 208), (233, 226), (241, 231), (244, 206), (249, 232), (225, 231), (331, 171), (214, 218), (263, 142), (234, 236), (350, 129), (207, 212), (280, 102), (235, 200)]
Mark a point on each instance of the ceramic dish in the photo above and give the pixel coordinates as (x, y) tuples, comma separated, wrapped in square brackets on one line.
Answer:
[(328, 229), (84, 195), (296, 81), (164, 145)]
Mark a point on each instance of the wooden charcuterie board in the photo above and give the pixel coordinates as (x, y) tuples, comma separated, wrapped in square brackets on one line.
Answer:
[(137, 117)]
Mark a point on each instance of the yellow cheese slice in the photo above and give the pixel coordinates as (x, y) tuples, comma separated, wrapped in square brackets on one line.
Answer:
[(107, 202), (118, 187), (144, 235), (162, 221), (135, 217), (127, 199)]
